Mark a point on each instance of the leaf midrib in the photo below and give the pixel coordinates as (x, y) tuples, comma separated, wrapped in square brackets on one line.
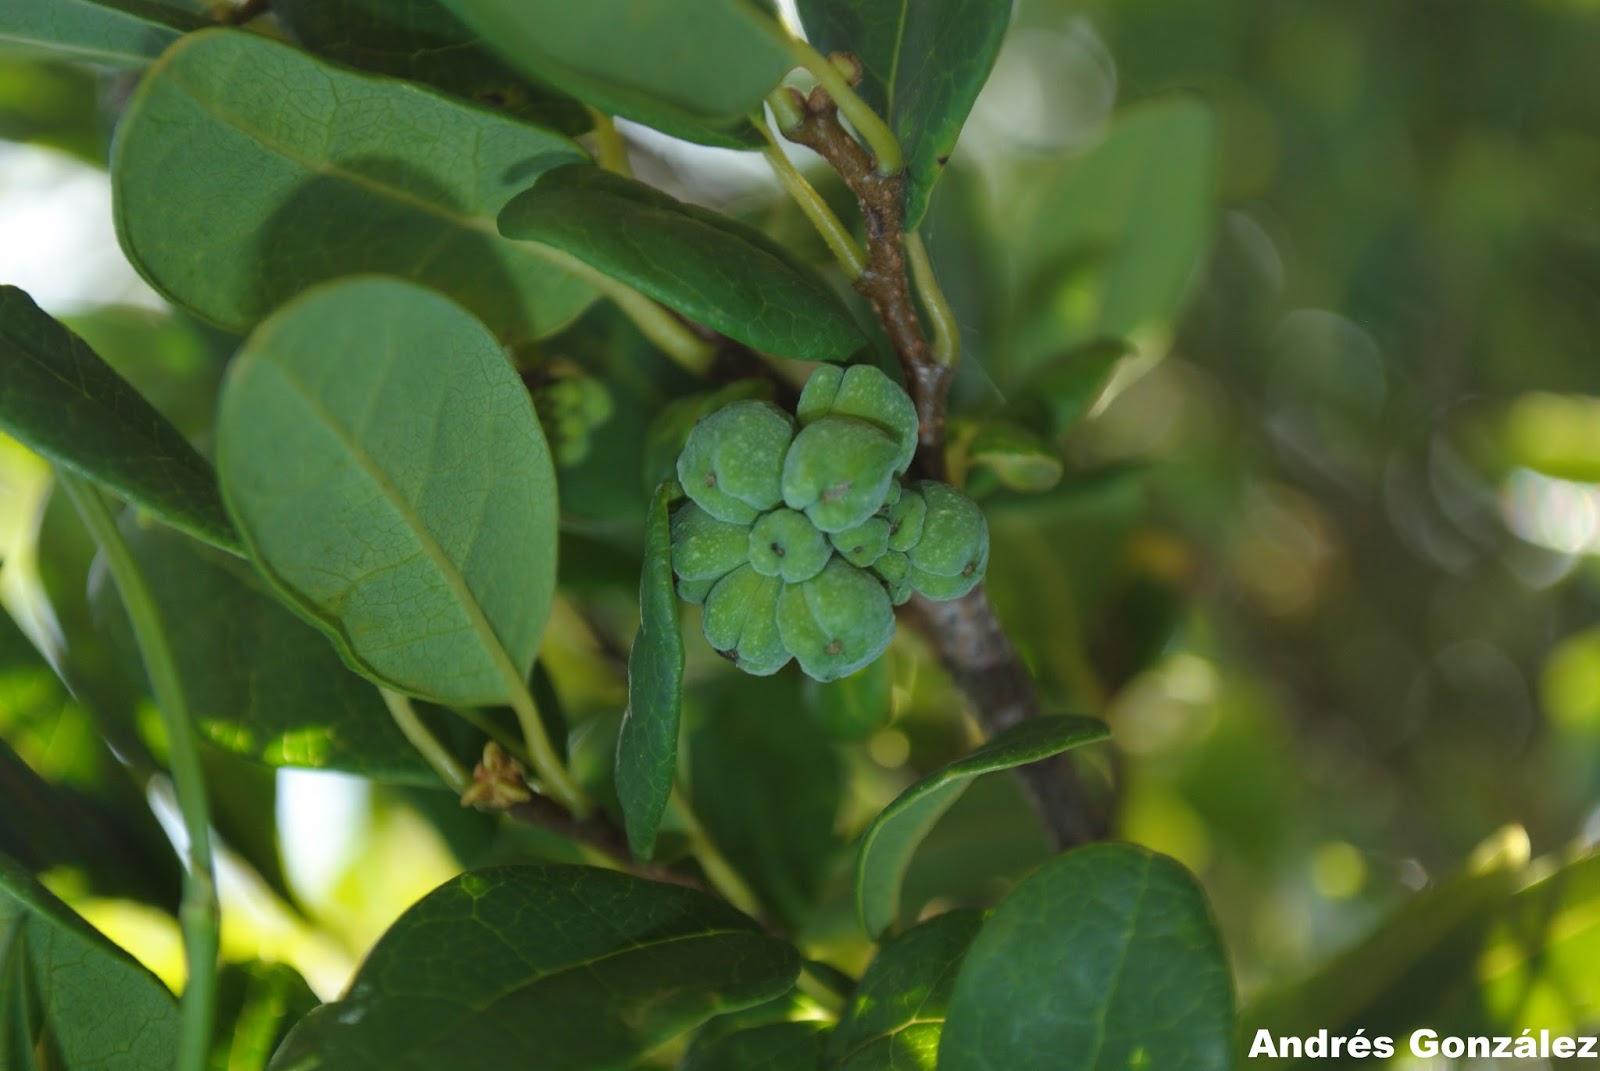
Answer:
[(430, 546)]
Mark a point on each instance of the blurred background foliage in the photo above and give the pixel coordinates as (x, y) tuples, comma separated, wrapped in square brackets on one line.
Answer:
[(1282, 386)]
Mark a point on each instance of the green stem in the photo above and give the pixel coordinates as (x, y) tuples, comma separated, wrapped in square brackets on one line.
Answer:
[(873, 130), (719, 872), (199, 915), (946, 332), (691, 352), (444, 764), (553, 776), (784, 109), (611, 153), (833, 231)]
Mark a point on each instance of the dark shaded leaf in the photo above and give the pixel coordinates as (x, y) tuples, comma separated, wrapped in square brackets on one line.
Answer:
[(257, 1004), (587, 968), (794, 1046), (117, 33), (705, 265), (63, 401)]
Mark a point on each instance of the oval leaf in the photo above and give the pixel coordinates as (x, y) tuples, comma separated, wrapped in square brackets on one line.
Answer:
[(60, 399), (587, 968), (1019, 459), (422, 41), (713, 269), (922, 65), (1133, 215), (259, 681), (116, 33), (100, 1006), (385, 467), (897, 1012), (1105, 959), (647, 749), (888, 844), (230, 203), (694, 71)]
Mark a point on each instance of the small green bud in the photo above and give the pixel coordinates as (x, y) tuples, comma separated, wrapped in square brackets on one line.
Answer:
[(863, 392), (704, 548), (732, 462), (785, 544), (740, 621), (893, 566), (906, 518), (838, 471), (836, 622), (943, 588), (863, 544)]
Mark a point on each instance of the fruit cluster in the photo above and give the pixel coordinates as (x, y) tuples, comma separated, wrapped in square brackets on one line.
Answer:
[(800, 542)]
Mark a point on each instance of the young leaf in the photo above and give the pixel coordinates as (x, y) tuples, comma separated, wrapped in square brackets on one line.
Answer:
[(257, 1004), (896, 1014), (922, 65), (647, 749), (422, 41), (713, 269), (116, 33), (388, 475), (1105, 958), (260, 682), (796, 1046), (692, 70), (888, 843), (60, 399), (587, 968), (1136, 213), (767, 787), (230, 203), (101, 1007)]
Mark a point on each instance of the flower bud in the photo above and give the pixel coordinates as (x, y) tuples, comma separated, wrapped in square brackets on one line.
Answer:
[(704, 548), (785, 544), (838, 471), (836, 622), (863, 392), (740, 621), (732, 462), (863, 544)]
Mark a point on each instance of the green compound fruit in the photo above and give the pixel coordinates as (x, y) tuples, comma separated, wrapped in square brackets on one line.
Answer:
[(732, 464), (836, 622), (838, 471), (785, 544), (801, 545), (863, 392), (740, 621), (949, 559)]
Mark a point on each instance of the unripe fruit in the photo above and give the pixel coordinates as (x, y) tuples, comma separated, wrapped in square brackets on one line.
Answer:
[(838, 471), (732, 463), (836, 622), (863, 392), (949, 560), (740, 621), (863, 544), (704, 548), (695, 591), (895, 570), (905, 520), (785, 544)]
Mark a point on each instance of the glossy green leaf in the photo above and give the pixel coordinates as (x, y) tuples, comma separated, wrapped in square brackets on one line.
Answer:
[(766, 785), (171, 359), (60, 399), (923, 63), (897, 1012), (1018, 459), (116, 33), (705, 265), (230, 203), (1118, 233), (1104, 959), (888, 844), (257, 1004), (692, 70), (54, 103), (586, 968), (796, 1046), (386, 470), (421, 40), (647, 749), (259, 681), (100, 1006)]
